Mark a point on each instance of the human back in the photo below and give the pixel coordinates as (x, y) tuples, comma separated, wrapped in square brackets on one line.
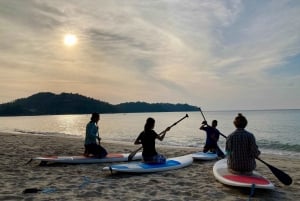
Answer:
[(91, 137), (241, 147), (242, 155), (147, 138)]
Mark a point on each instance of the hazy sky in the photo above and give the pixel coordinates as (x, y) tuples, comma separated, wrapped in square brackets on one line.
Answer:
[(217, 54)]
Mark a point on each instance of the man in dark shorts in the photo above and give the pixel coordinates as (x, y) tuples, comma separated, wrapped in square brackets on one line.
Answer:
[(212, 137)]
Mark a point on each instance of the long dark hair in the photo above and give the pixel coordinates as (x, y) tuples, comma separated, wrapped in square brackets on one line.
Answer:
[(149, 124)]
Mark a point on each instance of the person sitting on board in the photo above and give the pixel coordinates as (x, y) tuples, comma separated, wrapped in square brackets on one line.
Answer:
[(241, 148), (212, 137), (91, 137), (147, 139)]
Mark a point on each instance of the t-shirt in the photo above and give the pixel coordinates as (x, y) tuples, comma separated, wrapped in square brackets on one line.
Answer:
[(212, 136), (148, 141), (241, 149), (91, 133)]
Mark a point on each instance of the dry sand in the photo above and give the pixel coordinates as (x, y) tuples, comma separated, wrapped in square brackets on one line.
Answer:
[(89, 182)]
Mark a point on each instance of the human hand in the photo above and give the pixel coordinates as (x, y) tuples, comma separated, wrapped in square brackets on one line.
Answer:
[(204, 122)]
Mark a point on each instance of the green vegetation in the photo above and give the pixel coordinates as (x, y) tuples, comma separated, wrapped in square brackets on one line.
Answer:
[(46, 103)]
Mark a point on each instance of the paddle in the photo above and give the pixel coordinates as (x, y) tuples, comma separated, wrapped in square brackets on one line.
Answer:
[(281, 176), (206, 121), (132, 154)]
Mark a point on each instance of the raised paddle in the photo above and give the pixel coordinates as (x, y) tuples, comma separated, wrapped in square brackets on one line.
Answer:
[(281, 176), (206, 121), (202, 114), (132, 154)]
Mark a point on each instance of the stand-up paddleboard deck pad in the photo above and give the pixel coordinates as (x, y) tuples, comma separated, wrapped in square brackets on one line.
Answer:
[(111, 157), (140, 167), (223, 175), (204, 156)]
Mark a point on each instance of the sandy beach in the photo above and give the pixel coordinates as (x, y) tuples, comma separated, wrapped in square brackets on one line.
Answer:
[(89, 182)]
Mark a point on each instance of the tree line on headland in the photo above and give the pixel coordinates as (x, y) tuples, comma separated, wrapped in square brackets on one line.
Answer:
[(47, 103)]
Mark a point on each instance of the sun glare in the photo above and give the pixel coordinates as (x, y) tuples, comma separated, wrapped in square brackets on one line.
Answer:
[(70, 39)]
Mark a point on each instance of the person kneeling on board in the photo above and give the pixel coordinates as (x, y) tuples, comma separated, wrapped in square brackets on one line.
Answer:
[(241, 148), (91, 137), (147, 139), (212, 138)]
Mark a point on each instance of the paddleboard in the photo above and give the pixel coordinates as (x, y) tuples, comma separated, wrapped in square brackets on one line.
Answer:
[(205, 156), (140, 167), (111, 157), (222, 174)]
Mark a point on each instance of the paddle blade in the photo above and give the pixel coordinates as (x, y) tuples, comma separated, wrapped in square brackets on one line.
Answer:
[(281, 176)]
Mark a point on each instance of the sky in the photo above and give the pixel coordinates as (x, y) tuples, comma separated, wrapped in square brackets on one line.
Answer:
[(214, 54)]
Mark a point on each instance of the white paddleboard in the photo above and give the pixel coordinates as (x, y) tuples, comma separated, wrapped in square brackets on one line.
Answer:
[(205, 156), (222, 174), (111, 157), (140, 167)]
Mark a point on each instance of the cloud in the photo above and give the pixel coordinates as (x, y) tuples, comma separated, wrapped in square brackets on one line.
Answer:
[(224, 54)]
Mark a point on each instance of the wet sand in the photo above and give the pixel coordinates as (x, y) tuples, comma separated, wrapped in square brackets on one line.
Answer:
[(89, 182)]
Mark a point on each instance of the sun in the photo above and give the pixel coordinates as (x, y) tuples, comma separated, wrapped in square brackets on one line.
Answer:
[(70, 40)]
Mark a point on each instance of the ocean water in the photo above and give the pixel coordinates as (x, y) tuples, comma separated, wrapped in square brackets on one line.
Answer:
[(276, 131)]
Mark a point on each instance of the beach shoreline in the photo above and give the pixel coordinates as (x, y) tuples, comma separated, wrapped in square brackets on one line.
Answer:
[(89, 182)]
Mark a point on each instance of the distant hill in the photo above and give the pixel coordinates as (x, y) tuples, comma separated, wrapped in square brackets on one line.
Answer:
[(47, 103)]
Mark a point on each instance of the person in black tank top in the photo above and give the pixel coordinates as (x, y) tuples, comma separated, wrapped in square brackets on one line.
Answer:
[(147, 138)]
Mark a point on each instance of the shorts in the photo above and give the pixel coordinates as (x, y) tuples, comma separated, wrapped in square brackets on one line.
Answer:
[(96, 150), (157, 159)]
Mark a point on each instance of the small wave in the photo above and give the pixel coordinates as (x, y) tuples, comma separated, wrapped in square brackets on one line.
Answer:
[(42, 133), (276, 145)]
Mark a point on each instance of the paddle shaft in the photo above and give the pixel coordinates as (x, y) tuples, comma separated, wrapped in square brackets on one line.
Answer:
[(202, 114), (206, 121), (177, 121), (130, 157)]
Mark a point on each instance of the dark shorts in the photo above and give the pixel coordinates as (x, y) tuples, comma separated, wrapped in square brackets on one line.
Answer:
[(157, 159), (96, 150), (214, 149)]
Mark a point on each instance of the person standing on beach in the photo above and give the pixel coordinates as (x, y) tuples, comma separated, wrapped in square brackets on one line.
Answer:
[(147, 139), (212, 138), (241, 148), (91, 137)]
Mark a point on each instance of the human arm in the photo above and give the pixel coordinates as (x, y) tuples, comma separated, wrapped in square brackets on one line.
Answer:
[(161, 136), (254, 148), (204, 125), (138, 140)]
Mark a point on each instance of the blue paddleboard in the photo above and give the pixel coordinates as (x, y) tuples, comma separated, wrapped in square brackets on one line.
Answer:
[(204, 156), (141, 167)]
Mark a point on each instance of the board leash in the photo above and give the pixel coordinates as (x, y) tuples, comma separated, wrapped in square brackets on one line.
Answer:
[(252, 191)]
